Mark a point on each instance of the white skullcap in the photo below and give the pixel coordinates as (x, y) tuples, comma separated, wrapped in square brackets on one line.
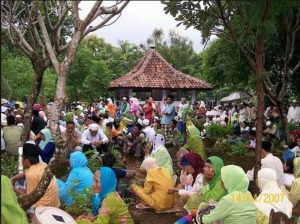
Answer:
[(79, 107), (110, 119), (146, 122), (93, 127), (140, 121), (294, 101), (18, 115), (268, 123)]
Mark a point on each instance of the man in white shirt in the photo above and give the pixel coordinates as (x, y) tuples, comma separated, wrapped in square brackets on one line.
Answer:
[(294, 112), (269, 161), (148, 130), (94, 138)]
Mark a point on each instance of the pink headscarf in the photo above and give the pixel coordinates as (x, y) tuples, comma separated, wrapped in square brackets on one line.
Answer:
[(43, 115), (134, 106)]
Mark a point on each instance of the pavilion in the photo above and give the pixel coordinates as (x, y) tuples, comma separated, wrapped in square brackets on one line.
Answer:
[(154, 74)]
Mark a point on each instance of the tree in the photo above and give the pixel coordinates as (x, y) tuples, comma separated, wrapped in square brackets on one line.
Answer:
[(246, 24), (49, 33), (226, 68)]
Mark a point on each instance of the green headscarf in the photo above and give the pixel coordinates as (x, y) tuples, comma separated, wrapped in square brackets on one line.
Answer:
[(11, 212), (297, 167), (234, 179), (193, 131), (217, 164)]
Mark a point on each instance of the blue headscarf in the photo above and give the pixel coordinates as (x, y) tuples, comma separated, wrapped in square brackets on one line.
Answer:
[(108, 182), (78, 159)]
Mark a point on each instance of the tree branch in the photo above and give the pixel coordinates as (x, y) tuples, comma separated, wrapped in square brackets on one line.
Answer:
[(101, 24), (48, 44), (90, 16)]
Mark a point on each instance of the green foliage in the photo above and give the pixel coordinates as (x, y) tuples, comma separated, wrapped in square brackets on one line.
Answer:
[(218, 131), (294, 126), (82, 201), (238, 149), (94, 160), (227, 76), (176, 139), (188, 114), (9, 165)]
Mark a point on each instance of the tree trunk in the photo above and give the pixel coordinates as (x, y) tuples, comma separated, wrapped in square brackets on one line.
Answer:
[(39, 72), (284, 122), (259, 68)]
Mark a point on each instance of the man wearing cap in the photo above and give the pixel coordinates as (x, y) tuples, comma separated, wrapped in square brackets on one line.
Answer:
[(271, 130), (294, 112), (148, 130), (94, 138), (124, 106)]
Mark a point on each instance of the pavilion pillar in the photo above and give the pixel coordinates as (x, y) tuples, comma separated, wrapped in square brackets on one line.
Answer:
[(115, 96), (164, 94), (193, 93), (129, 93)]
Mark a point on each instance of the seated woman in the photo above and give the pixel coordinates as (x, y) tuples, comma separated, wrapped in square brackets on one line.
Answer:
[(108, 206), (11, 212), (294, 194), (46, 143), (212, 188), (155, 191), (194, 143), (79, 178), (191, 177), (237, 206), (161, 154), (276, 199)]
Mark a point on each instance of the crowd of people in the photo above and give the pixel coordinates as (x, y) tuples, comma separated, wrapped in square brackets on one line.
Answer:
[(205, 190)]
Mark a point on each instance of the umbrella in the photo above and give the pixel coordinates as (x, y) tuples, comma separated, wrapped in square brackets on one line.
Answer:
[(236, 96), (3, 101)]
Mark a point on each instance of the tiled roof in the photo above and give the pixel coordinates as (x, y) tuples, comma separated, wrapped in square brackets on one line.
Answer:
[(154, 72)]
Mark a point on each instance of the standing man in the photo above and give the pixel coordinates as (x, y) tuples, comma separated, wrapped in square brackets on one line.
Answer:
[(251, 114), (124, 106), (180, 108), (168, 114), (294, 112), (243, 114)]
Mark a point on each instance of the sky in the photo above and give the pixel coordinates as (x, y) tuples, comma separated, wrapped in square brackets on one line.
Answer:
[(137, 22)]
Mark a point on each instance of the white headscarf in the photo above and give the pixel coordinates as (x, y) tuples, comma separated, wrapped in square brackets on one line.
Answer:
[(149, 163), (271, 196), (157, 141)]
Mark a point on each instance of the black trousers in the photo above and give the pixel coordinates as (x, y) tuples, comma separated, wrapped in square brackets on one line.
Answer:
[(102, 149)]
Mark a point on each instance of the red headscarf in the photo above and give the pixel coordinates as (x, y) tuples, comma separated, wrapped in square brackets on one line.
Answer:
[(195, 161)]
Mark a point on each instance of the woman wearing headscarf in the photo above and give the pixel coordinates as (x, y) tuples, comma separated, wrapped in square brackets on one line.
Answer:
[(111, 109), (191, 177), (108, 206), (294, 194), (270, 197), (134, 106), (194, 143), (46, 144), (11, 212), (155, 191), (160, 153), (238, 205), (212, 188), (79, 178)]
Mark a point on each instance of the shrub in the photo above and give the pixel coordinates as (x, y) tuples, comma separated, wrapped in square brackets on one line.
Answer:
[(82, 202), (238, 149), (94, 160), (218, 131), (9, 165)]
